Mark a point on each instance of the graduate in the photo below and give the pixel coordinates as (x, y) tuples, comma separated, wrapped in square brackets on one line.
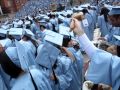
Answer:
[(76, 70), (74, 53), (54, 22), (93, 12), (30, 44), (36, 29), (59, 77), (69, 73), (90, 26), (66, 21), (103, 22), (104, 67), (15, 65), (49, 25)]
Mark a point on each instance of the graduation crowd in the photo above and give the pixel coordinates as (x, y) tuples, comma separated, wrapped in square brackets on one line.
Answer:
[(33, 7), (45, 51)]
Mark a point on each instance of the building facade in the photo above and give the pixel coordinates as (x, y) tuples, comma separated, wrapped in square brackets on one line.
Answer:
[(10, 6)]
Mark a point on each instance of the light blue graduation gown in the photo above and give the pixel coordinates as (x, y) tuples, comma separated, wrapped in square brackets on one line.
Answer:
[(63, 72), (104, 68), (2, 84), (23, 83), (103, 25), (91, 25), (49, 26), (66, 22), (45, 64), (40, 79), (55, 22), (36, 30), (93, 13), (89, 30), (30, 49), (5, 77), (86, 30), (77, 71), (26, 58)]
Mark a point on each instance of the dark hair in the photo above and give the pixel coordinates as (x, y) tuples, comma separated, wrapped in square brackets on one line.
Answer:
[(95, 87), (68, 16), (104, 12), (43, 26), (8, 66), (53, 27), (89, 7), (28, 27), (118, 51), (66, 40), (85, 11)]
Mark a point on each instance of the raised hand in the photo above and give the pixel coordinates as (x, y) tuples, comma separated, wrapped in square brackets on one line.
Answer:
[(76, 27)]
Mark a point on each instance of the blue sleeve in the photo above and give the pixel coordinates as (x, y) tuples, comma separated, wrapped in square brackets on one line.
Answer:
[(99, 70), (65, 80), (104, 68)]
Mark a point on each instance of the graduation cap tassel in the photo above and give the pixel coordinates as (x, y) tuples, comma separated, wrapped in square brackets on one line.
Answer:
[(56, 80), (54, 67)]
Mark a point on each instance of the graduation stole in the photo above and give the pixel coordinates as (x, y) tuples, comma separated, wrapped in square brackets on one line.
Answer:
[(54, 67)]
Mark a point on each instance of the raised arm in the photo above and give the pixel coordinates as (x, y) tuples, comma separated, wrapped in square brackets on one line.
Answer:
[(87, 45)]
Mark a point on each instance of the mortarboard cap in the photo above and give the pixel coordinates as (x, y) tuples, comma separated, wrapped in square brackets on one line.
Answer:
[(115, 10), (108, 6), (85, 5), (46, 17), (16, 31), (18, 24), (30, 18), (69, 12), (3, 32), (27, 23), (54, 37), (65, 31), (5, 26), (61, 17), (42, 21), (28, 32)]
